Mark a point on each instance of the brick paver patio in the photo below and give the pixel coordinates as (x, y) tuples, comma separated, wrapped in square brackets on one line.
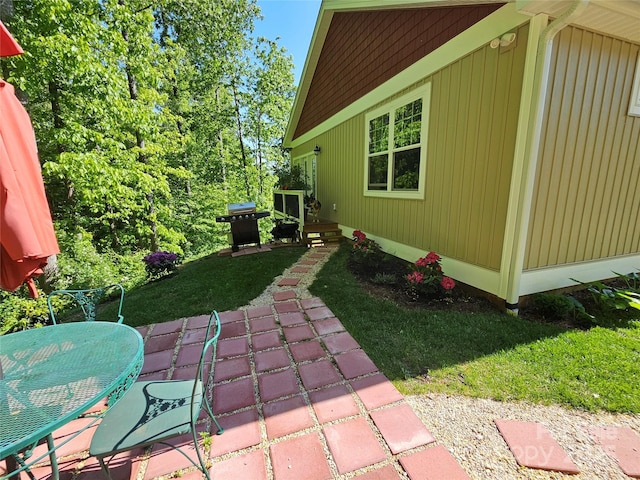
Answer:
[(298, 399)]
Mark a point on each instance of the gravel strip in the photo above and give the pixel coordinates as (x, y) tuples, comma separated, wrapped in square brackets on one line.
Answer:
[(465, 427)]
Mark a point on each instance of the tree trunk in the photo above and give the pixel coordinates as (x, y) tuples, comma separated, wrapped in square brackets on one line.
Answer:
[(56, 111), (243, 155), (133, 93), (223, 158)]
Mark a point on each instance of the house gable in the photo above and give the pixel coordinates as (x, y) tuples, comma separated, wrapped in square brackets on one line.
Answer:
[(364, 49)]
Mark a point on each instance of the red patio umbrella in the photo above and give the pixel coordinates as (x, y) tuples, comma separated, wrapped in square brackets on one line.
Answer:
[(27, 237)]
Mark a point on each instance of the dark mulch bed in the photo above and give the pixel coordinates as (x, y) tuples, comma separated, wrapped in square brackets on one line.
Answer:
[(387, 281)]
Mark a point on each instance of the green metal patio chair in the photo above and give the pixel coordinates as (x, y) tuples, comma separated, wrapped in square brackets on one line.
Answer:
[(87, 300), (155, 412)]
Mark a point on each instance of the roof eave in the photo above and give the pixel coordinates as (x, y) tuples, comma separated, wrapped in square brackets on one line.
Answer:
[(618, 19), (325, 14)]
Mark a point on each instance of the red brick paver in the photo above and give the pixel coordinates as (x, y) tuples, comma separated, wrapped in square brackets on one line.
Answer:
[(355, 363), (353, 445), (250, 465), (533, 446), (433, 463), (401, 428), (622, 444), (290, 464), (285, 295), (288, 282)]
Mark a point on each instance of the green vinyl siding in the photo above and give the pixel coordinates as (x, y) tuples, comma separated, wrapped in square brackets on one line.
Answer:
[(587, 197), (471, 136)]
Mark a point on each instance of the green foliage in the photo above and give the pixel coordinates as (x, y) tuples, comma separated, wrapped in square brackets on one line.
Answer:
[(552, 305), (606, 297), (82, 266), (366, 254), (148, 123), (291, 178), (557, 307), (632, 297), (611, 298), (18, 312), (384, 279)]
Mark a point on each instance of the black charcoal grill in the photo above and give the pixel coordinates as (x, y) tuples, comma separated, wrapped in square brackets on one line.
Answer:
[(244, 223)]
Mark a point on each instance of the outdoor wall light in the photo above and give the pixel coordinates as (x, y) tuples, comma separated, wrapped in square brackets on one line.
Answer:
[(504, 41), (507, 39), (316, 150)]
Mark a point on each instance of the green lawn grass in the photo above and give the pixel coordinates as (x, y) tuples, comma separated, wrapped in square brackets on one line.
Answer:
[(490, 355), (213, 282)]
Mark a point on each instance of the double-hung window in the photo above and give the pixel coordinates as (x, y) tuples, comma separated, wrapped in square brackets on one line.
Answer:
[(396, 147)]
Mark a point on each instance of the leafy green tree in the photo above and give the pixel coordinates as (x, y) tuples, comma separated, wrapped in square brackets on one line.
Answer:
[(150, 119), (270, 94)]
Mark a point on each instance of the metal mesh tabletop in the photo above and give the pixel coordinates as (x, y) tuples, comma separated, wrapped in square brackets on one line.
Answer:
[(51, 375)]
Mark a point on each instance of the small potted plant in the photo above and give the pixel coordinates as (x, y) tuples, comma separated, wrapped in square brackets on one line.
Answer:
[(291, 178)]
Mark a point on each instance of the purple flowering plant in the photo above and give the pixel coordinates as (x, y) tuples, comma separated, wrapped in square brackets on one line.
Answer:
[(159, 264)]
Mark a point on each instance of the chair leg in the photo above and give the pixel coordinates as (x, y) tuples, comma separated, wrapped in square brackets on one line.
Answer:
[(105, 470), (215, 420), (207, 407)]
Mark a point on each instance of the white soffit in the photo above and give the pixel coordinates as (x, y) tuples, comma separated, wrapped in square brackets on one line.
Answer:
[(618, 18)]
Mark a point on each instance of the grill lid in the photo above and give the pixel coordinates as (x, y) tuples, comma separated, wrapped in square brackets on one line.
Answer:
[(246, 207)]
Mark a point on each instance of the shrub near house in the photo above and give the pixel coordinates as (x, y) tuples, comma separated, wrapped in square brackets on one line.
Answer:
[(427, 280), (366, 254)]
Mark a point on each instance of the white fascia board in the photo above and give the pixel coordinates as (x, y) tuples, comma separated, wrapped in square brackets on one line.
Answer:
[(479, 277), (559, 276), (502, 20)]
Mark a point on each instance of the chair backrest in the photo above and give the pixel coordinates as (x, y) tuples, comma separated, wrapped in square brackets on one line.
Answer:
[(202, 394), (87, 300)]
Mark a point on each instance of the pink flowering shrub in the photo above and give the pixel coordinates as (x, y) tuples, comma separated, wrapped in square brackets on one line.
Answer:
[(366, 252), (426, 278)]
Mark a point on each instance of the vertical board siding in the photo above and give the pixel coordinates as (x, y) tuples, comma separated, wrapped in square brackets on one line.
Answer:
[(587, 196), (471, 142)]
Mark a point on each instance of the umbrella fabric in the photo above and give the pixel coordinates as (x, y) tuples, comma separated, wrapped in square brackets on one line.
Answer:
[(27, 237), (8, 46)]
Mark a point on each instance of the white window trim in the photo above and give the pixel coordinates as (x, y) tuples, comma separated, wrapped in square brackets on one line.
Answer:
[(634, 102), (423, 92)]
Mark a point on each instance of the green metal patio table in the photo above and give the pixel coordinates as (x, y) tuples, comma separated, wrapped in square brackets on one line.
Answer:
[(52, 375)]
